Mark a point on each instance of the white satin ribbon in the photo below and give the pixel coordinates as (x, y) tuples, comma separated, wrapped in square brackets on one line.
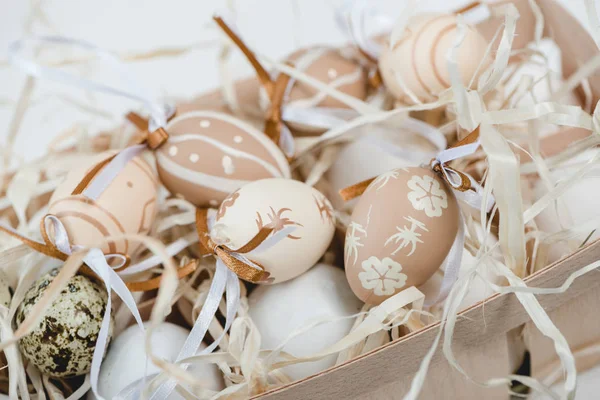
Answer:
[(224, 281), (159, 113), (352, 17)]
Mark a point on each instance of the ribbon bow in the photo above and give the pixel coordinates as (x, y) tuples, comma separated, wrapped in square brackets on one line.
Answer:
[(243, 267)]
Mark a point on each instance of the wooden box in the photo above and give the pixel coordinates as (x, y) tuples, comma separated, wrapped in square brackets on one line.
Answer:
[(483, 338)]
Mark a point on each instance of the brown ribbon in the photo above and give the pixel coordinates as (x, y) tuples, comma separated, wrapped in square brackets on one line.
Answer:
[(359, 188), (49, 249), (275, 89), (243, 270)]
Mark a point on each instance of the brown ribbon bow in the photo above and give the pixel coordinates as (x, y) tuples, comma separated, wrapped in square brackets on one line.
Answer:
[(359, 188), (275, 89), (49, 249), (242, 269)]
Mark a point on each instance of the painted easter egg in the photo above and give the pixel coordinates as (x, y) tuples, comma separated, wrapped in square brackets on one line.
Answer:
[(63, 342), (276, 312), (329, 66), (125, 362), (210, 155), (418, 60), (127, 206), (279, 203), (400, 233)]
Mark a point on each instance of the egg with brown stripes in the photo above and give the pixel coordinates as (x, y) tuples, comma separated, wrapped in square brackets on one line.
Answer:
[(418, 60), (210, 155), (126, 206), (400, 232), (280, 204)]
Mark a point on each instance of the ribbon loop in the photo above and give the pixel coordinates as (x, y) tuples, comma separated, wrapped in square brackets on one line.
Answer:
[(234, 260)]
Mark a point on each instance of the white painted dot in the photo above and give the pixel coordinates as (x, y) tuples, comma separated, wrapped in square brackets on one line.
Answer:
[(194, 157), (173, 151), (227, 163), (238, 139), (205, 123), (332, 73), (213, 203)]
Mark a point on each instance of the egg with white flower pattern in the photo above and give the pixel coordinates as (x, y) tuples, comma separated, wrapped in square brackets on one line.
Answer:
[(400, 233), (211, 154), (281, 204)]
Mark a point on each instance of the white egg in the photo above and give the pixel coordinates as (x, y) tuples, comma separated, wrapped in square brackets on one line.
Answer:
[(5, 291), (280, 203), (578, 205), (125, 361), (278, 310), (478, 288), (373, 153)]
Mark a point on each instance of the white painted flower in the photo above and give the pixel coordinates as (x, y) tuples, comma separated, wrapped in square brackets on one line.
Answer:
[(382, 276), (426, 194)]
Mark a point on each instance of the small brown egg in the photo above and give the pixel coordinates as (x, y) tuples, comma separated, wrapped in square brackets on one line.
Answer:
[(328, 65), (210, 155), (127, 205), (418, 59), (63, 342), (400, 233)]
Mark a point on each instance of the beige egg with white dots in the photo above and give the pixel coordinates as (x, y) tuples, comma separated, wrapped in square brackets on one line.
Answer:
[(126, 206), (329, 66), (418, 60), (210, 155), (62, 344)]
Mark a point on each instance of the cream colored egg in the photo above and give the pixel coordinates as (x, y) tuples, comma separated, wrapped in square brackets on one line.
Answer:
[(125, 362), (5, 290), (372, 154), (127, 206), (418, 60), (210, 155), (279, 310), (400, 233), (572, 209), (280, 203), (479, 288), (62, 344)]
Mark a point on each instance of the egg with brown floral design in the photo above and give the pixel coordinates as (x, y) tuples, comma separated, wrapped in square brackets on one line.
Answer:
[(211, 154), (281, 204), (400, 232)]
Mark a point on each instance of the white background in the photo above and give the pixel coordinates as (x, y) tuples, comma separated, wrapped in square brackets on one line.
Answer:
[(274, 27)]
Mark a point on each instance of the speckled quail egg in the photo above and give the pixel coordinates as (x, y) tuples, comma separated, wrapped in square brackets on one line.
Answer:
[(63, 343), (5, 290)]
